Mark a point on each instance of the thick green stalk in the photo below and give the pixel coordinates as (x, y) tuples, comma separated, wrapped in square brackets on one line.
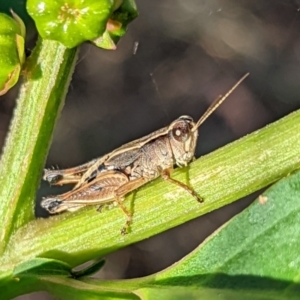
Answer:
[(221, 177), (46, 80)]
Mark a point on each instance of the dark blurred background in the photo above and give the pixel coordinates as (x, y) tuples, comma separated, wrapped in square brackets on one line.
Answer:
[(175, 59)]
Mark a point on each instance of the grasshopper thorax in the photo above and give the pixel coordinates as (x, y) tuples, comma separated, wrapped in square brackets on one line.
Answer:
[(183, 140)]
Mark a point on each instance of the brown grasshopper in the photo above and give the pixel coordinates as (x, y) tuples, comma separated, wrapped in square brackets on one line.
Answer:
[(109, 178)]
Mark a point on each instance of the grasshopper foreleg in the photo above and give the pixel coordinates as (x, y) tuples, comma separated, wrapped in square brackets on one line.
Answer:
[(165, 174)]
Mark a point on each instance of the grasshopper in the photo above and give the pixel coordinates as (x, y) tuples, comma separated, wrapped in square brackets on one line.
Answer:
[(109, 178)]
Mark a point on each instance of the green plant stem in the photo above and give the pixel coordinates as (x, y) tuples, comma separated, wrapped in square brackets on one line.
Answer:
[(221, 177), (47, 77)]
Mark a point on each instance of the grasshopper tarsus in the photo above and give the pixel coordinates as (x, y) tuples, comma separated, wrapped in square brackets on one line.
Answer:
[(100, 208), (103, 207), (127, 213), (199, 199), (124, 230)]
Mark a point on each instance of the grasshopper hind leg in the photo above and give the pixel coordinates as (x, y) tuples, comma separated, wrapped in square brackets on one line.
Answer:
[(110, 187), (66, 176), (51, 204), (60, 177), (53, 176), (55, 205)]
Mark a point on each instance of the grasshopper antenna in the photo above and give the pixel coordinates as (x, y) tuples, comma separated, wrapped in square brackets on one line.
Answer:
[(217, 103)]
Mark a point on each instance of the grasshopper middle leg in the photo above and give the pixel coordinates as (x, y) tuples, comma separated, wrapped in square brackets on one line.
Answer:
[(121, 192)]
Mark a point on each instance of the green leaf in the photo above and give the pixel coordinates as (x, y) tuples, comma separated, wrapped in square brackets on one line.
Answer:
[(62, 287), (257, 250), (25, 278), (117, 25), (125, 13), (254, 256), (106, 41), (238, 261), (182, 293), (42, 266), (12, 51), (221, 177), (65, 288), (18, 6), (70, 22), (263, 240)]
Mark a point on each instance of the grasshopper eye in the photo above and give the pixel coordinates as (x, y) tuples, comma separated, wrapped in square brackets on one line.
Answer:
[(181, 131)]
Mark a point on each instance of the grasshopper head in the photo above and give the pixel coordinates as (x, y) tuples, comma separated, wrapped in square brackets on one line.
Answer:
[(183, 140), (183, 132)]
